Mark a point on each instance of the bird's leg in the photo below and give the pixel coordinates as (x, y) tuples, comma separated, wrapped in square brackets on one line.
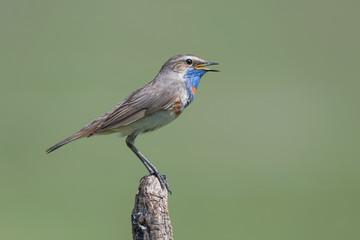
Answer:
[(151, 168)]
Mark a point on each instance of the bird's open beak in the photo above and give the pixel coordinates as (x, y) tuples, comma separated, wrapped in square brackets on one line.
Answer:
[(204, 65)]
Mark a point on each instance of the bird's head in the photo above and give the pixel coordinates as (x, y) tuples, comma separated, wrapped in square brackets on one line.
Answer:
[(187, 63), (188, 68)]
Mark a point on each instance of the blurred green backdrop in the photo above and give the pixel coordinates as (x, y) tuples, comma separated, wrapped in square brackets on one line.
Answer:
[(268, 150)]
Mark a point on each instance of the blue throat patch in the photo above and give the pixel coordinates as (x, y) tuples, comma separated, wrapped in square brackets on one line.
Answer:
[(192, 80)]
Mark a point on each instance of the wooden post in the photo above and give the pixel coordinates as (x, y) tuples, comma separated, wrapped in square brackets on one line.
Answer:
[(150, 217)]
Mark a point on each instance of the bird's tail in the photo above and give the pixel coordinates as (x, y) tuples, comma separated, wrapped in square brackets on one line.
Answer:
[(85, 132)]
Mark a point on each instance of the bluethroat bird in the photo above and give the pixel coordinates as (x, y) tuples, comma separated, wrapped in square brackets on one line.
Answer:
[(156, 104)]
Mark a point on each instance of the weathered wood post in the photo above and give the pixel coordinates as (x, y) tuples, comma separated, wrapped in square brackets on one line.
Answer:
[(150, 217)]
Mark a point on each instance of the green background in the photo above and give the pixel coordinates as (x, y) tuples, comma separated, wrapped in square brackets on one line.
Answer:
[(269, 149)]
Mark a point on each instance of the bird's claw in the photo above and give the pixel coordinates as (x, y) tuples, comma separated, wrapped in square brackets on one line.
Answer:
[(162, 179)]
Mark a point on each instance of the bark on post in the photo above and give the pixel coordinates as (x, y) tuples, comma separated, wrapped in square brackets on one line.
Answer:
[(150, 217)]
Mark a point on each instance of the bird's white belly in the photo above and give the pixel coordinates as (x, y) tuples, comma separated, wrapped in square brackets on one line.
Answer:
[(149, 123)]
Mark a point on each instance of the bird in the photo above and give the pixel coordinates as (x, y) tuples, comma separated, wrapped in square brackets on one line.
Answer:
[(153, 106)]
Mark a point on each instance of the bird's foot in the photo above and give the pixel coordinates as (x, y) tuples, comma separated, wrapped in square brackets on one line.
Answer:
[(162, 179)]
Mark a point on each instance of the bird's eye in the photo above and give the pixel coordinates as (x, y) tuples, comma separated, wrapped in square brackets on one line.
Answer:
[(189, 61)]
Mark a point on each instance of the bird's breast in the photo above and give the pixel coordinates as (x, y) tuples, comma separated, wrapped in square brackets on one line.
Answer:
[(181, 102), (178, 107)]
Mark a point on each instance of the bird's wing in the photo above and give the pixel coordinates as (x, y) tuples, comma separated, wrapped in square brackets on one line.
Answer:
[(143, 102)]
